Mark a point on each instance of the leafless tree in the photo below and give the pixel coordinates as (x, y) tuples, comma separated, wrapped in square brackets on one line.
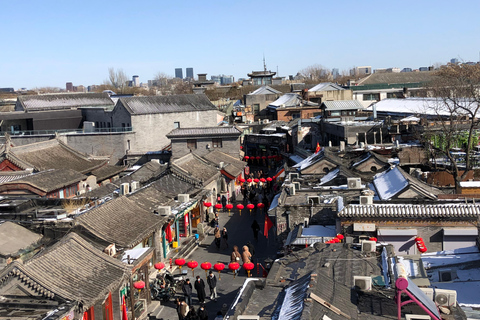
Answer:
[(316, 72), (456, 104), (117, 79)]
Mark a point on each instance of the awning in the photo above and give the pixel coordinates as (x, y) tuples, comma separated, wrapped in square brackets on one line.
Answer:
[(460, 231), (397, 232), (279, 173), (225, 173)]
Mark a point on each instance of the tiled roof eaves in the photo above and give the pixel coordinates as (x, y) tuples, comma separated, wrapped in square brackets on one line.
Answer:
[(411, 211)]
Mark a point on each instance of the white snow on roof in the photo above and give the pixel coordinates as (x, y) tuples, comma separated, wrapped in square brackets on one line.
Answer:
[(288, 99), (389, 183), (329, 176), (429, 106), (319, 231), (362, 160), (470, 184), (295, 158), (274, 203), (134, 254), (326, 86), (310, 160)]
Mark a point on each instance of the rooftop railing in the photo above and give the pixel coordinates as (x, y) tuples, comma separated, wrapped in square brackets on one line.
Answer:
[(66, 131)]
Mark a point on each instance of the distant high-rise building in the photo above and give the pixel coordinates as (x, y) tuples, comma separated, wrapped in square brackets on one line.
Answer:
[(423, 69), (335, 73), (179, 73), (454, 61), (69, 87), (190, 73), (136, 81), (406, 70)]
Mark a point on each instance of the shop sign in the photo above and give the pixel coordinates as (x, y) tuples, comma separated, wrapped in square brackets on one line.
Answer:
[(365, 227)]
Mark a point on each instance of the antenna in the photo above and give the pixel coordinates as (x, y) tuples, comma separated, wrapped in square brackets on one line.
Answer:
[(264, 65)]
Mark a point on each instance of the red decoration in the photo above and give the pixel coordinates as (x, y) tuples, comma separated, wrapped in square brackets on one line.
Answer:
[(218, 206), (421, 245), (258, 157), (229, 206), (241, 180), (249, 180), (180, 263), (139, 285), (234, 266), (192, 265), (261, 205), (206, 266), (255, 180), (269, 179), (270, 157), (207, 204), (248, 266), (264, 157), (340, 236), (159, 265), (219, 267), (373, 239), (240, 207), (247, 158), (250, 207)]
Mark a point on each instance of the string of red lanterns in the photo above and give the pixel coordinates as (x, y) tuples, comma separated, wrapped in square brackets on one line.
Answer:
[(219, 267), (206, 266), (240, 207), (249, 267), (192, 265), (234, 266)]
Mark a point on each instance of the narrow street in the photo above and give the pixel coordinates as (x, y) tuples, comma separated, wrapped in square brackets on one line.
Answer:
[(240, 232)]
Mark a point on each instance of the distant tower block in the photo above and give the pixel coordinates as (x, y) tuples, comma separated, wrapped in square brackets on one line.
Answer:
[(190, 73), (179, 73)]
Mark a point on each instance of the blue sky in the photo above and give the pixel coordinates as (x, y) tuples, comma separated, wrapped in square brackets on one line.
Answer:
[(49, 43)]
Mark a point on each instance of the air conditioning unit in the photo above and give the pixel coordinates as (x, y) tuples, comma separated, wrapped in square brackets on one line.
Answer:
[(134, 186), (366, 200), (447, 275), (183, 198), (428, 292), (369, 246), (445, 298), (363, 283), (292, 176), (291, 187), (164, 210), (354, 183), (124, 189), (417, 317), (296, 186), (313, 199), (111, 250)]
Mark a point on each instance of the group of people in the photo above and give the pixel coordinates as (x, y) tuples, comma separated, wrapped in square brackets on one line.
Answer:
[(185, 308), (248, 251)]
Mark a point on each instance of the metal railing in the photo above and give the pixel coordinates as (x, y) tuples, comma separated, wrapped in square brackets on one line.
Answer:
[(71, 131)]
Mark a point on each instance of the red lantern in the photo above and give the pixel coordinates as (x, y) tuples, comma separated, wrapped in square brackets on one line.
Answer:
[(229, 206), (258, 158), (262, 180), (233, 266), (261, 205), (219, 267), (270, 157), (218, 206), (207, 204), (240, 207), (180, 263), (269, 179), (250, 207), (340, 236), (206, 266), (264, 157), (249, 180), (139, 285), (159, 265), (241, 180), (247, 157), (192, 265), (249, 267), (373, 239)]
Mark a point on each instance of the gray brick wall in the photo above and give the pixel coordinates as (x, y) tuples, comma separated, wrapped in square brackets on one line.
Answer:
[(230, 146)]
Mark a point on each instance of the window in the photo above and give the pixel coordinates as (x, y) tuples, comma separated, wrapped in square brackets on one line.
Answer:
[(256, 108), (394, 95), (371, 96), (176, 125), (192, 144), (296, 115), (217, 143)]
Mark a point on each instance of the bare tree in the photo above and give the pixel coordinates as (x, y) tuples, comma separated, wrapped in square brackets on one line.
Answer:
[(117, 79), (315, 72), (161, 79), (456, 103)]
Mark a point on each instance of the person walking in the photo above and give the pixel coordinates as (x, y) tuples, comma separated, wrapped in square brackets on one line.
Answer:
[(192, 315), (178, 305), (255, 228), (251, 248), (187, 291), (200, 288), (218, 237), (235, 256), (246, 255), (202, 312), (212, 285), (184, 308), (225, 236), (224, 202)]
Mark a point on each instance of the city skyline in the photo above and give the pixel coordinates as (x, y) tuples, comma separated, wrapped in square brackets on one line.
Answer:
[(51, 43)]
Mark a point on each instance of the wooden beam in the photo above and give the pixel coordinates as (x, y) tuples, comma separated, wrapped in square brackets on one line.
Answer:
[(328, 305)]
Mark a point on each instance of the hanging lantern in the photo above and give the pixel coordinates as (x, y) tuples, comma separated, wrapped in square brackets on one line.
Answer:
[(229, 207), (180, 263), (373, 239), (249, 180), (261, 206), (219, 267), (269, 179), (421, 245), (262, 180), (218, 206), (270, 157), (159, 265), (256, 180), (250, 207), (340, 236), (234, 266), (249, 267), (264, 157), (207, 204), (139, 285), (192, 265), (206, 266), (258, 157), (241, 180), (247, 158), (240, 207)]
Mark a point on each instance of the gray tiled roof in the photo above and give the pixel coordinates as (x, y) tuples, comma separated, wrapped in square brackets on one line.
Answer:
[(14, 237), (397, 77), (195, 167), (64, 101), (72, 269), (455, 210), (121, 221), (106, 171), (47, 181), (204, 131), (232, 166), (343, 105), (265, 90), (326, 86), (167, 104)]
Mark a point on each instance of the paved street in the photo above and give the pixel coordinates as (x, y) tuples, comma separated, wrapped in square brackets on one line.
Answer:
[(240, 233)]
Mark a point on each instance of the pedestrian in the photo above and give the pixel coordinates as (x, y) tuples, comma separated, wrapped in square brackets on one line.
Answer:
[(200, 288), (246, 255), (225, 236), (219, 199), (219, 316), (224, 202), (218, 237), (251, 248), (207, 216), (255, 229), (187, 291), (235, 256), (216, 219), (192, 315), (212, 284), (184, 308), (202, 312), (178, 305)]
